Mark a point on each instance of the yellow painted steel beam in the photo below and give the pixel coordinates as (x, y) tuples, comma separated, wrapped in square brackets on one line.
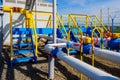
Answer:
[(41, 12), (49, 23), (58, 18), (101, 36), (79, 15), (42, 20)]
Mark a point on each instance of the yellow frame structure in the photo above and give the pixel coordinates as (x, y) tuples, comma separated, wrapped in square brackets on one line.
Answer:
[(29, 24)]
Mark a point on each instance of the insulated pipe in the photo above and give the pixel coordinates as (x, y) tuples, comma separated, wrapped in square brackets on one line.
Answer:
[(88, 70), (59, 45), (106, 54)]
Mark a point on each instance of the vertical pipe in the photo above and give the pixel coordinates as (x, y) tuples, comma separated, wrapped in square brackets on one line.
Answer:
[(35, 13), (11, 57), (95, 23), (68, 49), (101, 14), (69, 24), (54, 21), (1, 33), (87, 21), (51, 60), (36, 46), (75, 19), (109, 19), (50, 21), (112, 25), (92, 50), (81, 55)]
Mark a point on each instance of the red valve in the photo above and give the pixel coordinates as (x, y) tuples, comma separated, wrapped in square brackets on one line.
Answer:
[(18, 9), (14, 9), (76, 44)]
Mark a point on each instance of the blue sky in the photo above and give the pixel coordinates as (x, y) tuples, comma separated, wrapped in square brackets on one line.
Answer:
[(90, 7)]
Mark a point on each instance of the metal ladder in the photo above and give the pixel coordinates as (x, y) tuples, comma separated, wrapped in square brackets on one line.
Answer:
[(23, 50)]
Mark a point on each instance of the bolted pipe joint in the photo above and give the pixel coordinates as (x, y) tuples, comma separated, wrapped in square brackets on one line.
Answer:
[(86, 48), (69, 45), (55, 51)]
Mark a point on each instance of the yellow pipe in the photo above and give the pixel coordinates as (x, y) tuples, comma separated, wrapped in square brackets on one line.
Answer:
[(57, 24), (75, 24), (48, 21), (11, 49), (95, 22), (81, 48), (62, 24), (42, 20), (86, 21), (69, 24), (96, 28), (35, 34), (81, 56), (92, 49), (101, 14), (43, 14), (68, 49), (93, 57), (109, 18), (7, 9), (91, 21), (79, 15), (101, 23)]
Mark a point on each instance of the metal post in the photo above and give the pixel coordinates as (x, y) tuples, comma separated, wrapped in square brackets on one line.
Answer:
[(101, 14), (35, 13), (54, 20), (112, 25), (109, 19), (87, 21), (1, 28), (51, 60)]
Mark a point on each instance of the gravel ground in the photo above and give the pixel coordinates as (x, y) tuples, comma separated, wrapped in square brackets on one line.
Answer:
[(39, 71)]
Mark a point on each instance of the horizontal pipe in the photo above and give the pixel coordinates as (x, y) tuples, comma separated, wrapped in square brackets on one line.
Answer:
[(8, 8), (106, 54), (60, 45), (88, 70)]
